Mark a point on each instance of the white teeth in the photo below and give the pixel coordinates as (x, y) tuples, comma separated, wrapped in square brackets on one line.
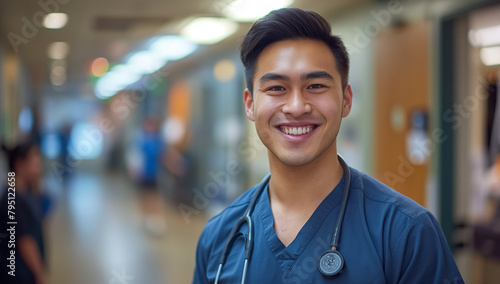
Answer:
[(296, 130)]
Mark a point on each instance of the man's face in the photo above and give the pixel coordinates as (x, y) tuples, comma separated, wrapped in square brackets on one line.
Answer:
[(298, 101)]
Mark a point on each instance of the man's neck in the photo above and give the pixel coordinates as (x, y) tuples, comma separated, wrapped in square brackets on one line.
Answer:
[(304, 186)]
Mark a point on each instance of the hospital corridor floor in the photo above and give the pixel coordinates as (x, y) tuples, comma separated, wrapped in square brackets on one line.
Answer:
[(98, 233)]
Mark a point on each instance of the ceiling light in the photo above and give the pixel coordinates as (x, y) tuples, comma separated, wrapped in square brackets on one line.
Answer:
[(58, 50), (209, 30), (116, 80), (145, 62), (251, 10), (55, 20), (108, 86), (490, 55), (172, 47), (485, 37)]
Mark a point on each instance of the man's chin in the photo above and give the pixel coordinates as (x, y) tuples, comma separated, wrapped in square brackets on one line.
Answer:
[(294, 161)]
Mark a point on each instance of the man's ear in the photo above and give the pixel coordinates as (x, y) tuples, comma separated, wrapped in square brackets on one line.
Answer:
[(248, 101), (347, 101)]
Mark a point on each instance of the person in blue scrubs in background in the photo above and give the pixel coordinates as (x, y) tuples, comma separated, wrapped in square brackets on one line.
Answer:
[(297, 94)]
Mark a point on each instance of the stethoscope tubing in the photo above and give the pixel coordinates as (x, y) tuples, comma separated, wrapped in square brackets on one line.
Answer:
[(347, 185), (248, 240)]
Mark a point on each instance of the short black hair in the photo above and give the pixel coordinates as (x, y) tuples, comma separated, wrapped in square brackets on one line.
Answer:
[(291, 23)]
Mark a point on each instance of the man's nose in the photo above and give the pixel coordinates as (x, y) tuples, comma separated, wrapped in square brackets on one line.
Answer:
[(297, 104)]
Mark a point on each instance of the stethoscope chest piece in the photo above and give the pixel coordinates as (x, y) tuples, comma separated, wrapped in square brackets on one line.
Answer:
[(331, 263)]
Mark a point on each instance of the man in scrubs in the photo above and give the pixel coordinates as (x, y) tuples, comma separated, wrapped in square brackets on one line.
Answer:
[(297, 95)]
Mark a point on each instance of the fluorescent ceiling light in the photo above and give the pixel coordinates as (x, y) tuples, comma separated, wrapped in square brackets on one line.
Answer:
[(485, 37), (58, 50), (490, 55), (207, 30), (55, 20), (116, 80), (172, 47), (251, 10), (145, 62)]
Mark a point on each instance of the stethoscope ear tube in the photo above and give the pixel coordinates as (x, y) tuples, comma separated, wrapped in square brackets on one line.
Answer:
[(340, 218), (233, 235)]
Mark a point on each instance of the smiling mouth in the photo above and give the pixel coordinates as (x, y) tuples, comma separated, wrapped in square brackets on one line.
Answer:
[(296, 131)]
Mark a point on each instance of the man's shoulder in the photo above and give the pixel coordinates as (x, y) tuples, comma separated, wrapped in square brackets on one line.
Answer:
[(379, 195)]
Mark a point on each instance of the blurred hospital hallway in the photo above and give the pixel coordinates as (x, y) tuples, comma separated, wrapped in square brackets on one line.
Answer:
[(97, 235)]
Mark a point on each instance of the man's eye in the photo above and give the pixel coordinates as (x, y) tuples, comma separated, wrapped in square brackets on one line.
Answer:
[(315, 86), (276, 89)]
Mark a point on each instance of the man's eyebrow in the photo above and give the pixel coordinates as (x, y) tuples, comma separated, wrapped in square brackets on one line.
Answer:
[(273, 76), (316, 75), (280, 77)]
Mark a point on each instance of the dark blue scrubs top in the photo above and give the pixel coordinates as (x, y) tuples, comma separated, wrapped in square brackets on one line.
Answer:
[(385, 238)]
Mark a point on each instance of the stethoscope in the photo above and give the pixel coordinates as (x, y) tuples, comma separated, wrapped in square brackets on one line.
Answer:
[(330, 264)]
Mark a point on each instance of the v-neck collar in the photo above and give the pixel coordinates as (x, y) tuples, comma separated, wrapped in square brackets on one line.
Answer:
[(286, 256)]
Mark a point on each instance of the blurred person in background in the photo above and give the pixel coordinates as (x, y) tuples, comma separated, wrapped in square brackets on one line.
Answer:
[(291, 223), (31, 206), (152, 150)]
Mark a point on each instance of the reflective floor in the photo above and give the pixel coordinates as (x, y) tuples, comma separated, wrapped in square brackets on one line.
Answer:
[(99, 232)]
